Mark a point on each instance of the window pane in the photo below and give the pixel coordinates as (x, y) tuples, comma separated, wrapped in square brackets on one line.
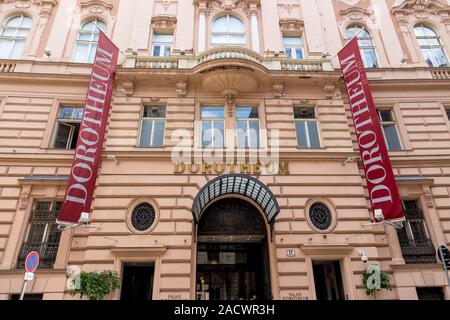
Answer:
[(218, 134), (78, 113), (241, 134), (167, 50), (302, 139), (81, 52), (8, 32), (92, 52), (5, 48), (288, 52), (220, 24), (154, 112), (392, 137), (236, 25), (237, 39), (206, 134), (299, 53), (85, 36), (156, 51), (247, 113), (212, 112), (370, 59), (158, 134), (219, 38), (17, 49), (66, 113), (418, 229), (385, 115), (292, 41), (23, 33), (254, 134), (166, 38), (304, 113), (36, 232), (145, 133), (62, 136), (313, 134)]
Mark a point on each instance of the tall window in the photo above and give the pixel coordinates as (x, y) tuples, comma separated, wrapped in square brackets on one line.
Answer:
[(13, 36), (68, 127), (389, 127), (306, 127), (294, 47), (430, 46), (42, 234), (86, 45), (414, 237), (212, 132), (153, 123), (228, 30), (162, 45), (366, 45), (247, 127)]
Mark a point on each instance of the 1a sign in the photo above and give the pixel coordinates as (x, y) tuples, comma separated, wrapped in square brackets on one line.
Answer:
[(32, 262)]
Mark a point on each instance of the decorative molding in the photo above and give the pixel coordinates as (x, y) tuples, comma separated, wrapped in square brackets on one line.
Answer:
[(358, 14), (329, 89), (182, 86), (128, 87), (96, 7), (278, 89), (164, 22), (247, 7), (421, 9), (292, 26)]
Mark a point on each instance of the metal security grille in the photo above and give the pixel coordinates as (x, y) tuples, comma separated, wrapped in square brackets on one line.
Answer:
[(320, 216), (42, 234), (238, 185), (143, 217)]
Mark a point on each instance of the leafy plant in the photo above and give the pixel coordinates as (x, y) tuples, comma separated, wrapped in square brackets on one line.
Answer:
[(374, 278), (95, 285)]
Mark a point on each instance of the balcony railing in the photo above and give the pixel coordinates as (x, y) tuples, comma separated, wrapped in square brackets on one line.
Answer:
[(188, 61), (441, 73), (47, 254), (418, 251), (7, 66)]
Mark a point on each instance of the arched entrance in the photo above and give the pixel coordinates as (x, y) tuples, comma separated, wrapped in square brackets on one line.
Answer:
[(233, 214)]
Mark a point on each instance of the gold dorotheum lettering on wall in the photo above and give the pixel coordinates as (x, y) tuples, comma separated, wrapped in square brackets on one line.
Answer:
[(242, 168)]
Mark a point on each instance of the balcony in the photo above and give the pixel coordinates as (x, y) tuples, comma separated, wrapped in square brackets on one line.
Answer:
[(418, 251), (47, 254), (441, 73), (143, 60)]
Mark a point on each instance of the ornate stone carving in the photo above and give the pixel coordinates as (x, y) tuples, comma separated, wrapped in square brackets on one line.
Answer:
[(247, 7), (358, 14), (278, 89), (421, 9), (291, 26), (164, 22), (96, 7), (329, 89), (181, 88), (128, 87), (230, 101), (24, 196)]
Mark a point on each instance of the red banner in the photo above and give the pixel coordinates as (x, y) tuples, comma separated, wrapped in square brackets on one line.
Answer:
[(380, 179), (81, 185)]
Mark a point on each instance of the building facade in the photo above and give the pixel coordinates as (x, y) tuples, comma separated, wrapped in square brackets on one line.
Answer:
[(230, 168)]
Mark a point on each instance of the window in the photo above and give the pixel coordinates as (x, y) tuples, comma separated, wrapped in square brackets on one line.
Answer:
[(389, 127), (152, 130), (68, 127), (430, 293), (448, 113), (86, 45), (430, 46), (162, 45), (212, 132), (414, 237), (247, 126), (306, 127), (13, 36), (366, 45), (42, 234), (294, 47), (228, 30)]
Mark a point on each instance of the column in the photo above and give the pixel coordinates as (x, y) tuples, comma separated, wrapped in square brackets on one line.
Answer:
[(201, 46), (255, 28)]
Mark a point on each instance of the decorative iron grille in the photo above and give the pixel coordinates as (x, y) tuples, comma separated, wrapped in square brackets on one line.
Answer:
[(320, 216), (143, 217)]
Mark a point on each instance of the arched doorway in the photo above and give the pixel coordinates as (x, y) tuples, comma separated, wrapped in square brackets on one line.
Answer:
[(232, 253)]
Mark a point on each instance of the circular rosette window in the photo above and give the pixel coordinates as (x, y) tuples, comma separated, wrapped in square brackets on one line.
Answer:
[(141, 219), (320, 217)]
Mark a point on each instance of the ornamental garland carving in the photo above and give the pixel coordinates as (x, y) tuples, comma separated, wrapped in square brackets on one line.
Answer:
[(247, 7), (421, 9)]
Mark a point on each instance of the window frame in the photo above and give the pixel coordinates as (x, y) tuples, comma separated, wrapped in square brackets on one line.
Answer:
[(228, 33), (360, 38), (213, 120), (66, 122), (430, 47), (388, 123), (142, 118), (301, 47), (162, 45), (407, 222), (247, 121), (306, 120), (91, 42), (15, 38)]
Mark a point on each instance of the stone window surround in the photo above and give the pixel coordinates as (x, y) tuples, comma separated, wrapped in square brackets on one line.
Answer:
[(248, 11), (35, 189), (163, 25), (29, 42)]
